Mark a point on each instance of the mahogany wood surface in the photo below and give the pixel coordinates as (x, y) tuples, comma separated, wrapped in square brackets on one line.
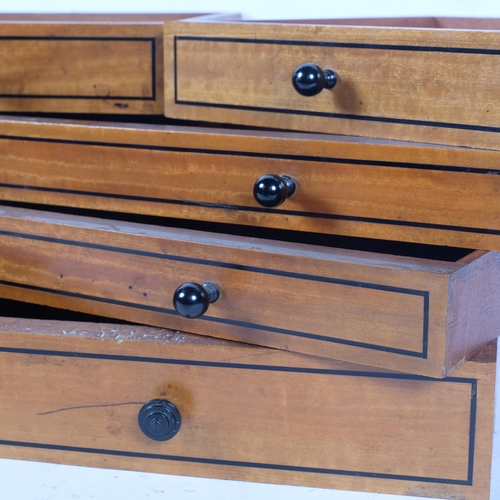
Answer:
[(386, 190), (83, 63), (71, 394), (388, 311), (437, 86)]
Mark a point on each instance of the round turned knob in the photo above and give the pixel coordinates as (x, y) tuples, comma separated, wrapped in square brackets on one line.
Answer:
[(272, 190), (309, 79), (159, 420), (191, 300)]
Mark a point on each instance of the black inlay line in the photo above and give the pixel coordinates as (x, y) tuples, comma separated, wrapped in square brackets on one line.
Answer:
[(271, 156), (472, 430), (234, 463), (369, 220), (349, 45), (366, 118), (102, 98), (237, 366), (153, 69), (214, 364), (239, 267), (80, 38), (175, 69), (215, 263), (425, 321), (242, 208), (152, 41), (379, 119), (226, 321), (353, 343)]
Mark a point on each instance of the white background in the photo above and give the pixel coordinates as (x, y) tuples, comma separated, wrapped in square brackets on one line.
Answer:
[(268, 9), (32, 481)]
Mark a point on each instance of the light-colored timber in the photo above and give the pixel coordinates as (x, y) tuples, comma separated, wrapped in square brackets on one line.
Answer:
[(403, 313), (84, 63), (388, 190), (465, 23), (416, 84), (71, 394)]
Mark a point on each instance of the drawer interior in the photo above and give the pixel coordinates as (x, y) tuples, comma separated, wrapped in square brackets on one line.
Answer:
[(16, 309)]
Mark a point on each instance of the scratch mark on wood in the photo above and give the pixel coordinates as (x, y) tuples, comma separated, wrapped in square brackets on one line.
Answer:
[(103, 333), (91, 406), (71, 332)]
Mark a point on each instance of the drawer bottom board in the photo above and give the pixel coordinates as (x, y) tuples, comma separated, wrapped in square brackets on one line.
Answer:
[(71, 393)]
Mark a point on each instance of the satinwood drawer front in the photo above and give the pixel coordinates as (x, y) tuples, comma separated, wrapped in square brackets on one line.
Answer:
[(76, 394), (82, 63), (414, 315), (343, 186), (429, 85)]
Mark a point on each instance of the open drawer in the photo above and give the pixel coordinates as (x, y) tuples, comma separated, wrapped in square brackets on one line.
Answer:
[(416, 315), (84, 63), (104, 395), (427, 84), (386, 190)]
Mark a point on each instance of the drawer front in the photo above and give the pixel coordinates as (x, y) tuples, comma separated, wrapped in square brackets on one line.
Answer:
[(74, 68), (446, 196), (380, 310), (433, 86), (275, 421), (82, 63)]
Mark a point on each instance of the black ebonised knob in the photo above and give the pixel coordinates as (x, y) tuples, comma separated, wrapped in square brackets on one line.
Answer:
[(191, 300), (159, 420), (309, 79), (272, 190)]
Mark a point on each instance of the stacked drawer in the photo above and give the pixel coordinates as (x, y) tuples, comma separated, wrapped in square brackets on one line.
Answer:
[(72, 394), (369, 266)]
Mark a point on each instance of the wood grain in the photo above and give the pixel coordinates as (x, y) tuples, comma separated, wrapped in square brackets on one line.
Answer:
[(397, 83), (270, 416), (87, 63), (356, 187), (157, 18), (470, 309), (467, 23), (381, 310)]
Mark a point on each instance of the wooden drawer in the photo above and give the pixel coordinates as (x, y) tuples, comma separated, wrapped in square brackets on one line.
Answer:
[(83, 63), (345, 186), (72, 394), (413, 315), (428, 85)]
